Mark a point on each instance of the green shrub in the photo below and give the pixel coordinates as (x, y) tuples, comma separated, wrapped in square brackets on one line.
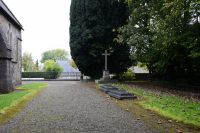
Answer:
[(126, 76), (53, 68), (52, 75)]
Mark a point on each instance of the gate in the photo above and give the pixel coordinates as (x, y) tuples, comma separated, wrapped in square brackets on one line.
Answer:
[(70, 76), (51, 76)]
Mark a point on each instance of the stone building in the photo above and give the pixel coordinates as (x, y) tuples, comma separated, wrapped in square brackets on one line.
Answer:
[(10, 50)]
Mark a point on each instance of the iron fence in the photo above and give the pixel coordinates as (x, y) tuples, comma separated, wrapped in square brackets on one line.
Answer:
[(52, 75)]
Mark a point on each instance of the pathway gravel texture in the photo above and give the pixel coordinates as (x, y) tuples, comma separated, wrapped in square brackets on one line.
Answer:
[(71, 107)]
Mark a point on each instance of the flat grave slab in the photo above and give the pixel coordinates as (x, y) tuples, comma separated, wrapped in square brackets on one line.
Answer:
[(107, 88), (116, 92)]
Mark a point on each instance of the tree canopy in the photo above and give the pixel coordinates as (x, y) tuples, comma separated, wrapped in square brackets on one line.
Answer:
[(52, 66), (165, 35), (57, 54), (28, 63), (73, 64), (93, 28)]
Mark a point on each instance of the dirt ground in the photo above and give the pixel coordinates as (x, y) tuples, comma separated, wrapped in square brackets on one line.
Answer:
[(192, 93)]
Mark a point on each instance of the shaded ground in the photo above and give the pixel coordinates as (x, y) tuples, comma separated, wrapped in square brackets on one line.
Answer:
[(75, 108), (184, 91)]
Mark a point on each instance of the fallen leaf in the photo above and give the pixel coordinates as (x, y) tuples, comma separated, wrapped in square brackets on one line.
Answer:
[(170, 121), (159, 122), (179, 131)]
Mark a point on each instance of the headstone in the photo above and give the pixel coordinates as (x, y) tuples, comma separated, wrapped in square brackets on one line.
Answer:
[(116, 92)]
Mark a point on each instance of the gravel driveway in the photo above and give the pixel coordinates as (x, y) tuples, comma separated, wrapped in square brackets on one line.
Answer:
[(71, 107)]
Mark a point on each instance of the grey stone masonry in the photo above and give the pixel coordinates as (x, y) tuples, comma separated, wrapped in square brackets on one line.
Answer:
[(10, 50)]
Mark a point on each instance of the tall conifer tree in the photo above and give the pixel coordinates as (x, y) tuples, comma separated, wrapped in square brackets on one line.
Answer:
[(92, 30)]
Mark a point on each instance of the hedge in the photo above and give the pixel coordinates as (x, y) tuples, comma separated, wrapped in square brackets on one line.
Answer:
[(46, 75)]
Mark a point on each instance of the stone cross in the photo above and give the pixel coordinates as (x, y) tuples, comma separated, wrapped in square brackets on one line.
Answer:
[(106, 54)]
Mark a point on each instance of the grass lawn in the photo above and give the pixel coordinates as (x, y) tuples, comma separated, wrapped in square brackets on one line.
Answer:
[(167, 105), (13, 102)]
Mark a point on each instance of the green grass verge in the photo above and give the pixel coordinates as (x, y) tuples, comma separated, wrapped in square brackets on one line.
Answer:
[(11, 103), (167, 105)]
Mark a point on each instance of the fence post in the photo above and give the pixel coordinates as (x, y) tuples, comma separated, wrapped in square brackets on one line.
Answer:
[(81, 77)]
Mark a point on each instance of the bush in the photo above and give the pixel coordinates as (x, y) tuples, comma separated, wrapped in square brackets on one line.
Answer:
[(52, 75), (53, 68), (126, 76), (33, 74)]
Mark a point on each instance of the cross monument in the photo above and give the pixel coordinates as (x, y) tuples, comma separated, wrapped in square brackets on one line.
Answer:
[(106, 74)]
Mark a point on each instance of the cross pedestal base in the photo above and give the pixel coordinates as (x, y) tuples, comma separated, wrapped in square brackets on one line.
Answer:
[(106, 75), (106, 78)]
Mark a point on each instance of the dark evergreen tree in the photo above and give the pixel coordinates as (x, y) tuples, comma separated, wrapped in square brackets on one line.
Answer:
[(92, 31)]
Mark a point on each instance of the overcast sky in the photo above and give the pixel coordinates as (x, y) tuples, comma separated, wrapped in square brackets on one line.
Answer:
[(46, 24)]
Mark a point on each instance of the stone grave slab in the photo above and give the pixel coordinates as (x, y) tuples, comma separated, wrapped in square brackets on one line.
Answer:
[(121, 94), (116, 92), (107, 88)]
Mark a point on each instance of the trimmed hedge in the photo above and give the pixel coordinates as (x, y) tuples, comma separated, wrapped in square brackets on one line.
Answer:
[(46, 75)]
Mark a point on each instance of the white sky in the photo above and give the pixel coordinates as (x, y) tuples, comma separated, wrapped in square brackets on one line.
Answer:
[(45, 22)]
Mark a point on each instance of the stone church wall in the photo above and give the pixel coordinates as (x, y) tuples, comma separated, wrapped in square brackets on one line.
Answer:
[(10, 54)]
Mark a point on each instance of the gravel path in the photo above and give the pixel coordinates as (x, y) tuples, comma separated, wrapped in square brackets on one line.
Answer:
[(70, 107)]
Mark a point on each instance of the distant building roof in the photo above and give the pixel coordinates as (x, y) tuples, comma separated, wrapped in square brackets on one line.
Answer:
[(6, 11), (66, 66), (137, 69)]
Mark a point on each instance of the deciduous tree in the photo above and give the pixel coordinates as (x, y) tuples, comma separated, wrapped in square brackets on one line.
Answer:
[(28, 62), (57, 54), (164, 34)]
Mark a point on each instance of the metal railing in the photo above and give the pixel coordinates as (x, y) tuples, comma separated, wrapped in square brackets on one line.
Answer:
[(52, 75)]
